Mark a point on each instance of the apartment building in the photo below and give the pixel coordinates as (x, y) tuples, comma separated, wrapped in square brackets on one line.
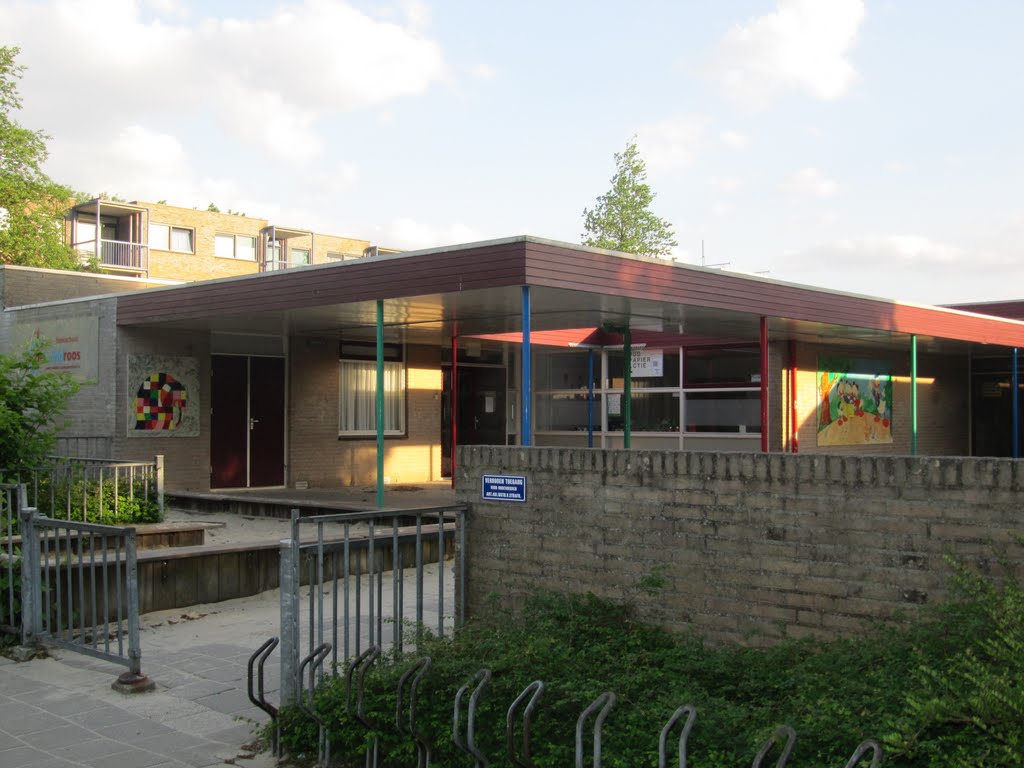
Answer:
[(155, 240)]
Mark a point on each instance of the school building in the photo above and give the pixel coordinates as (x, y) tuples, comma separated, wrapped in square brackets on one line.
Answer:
[(270, 379)]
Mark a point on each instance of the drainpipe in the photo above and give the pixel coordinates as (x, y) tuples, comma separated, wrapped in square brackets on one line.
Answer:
[(913, 394), (627, 388), (527, 394), (1016, 407), (590, 398), (453, 400), (380, 403), (794, 442), (764, 385)]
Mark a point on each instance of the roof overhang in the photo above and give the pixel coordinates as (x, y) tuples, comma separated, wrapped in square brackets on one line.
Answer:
[(109, 207), (476, 289)]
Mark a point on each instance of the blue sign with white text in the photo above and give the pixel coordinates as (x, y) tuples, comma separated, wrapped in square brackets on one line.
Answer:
[(503, 488)]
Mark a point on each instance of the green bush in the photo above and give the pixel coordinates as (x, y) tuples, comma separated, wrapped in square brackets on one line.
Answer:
[(942, 691), (123, 507)]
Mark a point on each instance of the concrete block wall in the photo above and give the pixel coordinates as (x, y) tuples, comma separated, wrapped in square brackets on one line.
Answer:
[(33, 285), (749, 546)]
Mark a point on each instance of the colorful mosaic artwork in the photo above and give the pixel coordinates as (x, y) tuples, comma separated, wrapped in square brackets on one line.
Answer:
[(163, 396), (160, 403)]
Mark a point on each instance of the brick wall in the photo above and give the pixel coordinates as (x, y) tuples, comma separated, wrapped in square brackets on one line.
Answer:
[(749, 545), (32, 285), (316, 454)]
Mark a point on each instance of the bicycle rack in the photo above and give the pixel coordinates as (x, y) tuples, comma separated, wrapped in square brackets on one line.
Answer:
[(782, 732), (258, 697), (862, 750), (479, 683), (416, 672), (363, 662), (684, 734), (534, 691), (314, 661), (606, 701)]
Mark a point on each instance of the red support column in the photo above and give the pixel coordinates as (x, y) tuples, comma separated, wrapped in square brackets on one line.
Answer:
[(794, 429), (455, 401)]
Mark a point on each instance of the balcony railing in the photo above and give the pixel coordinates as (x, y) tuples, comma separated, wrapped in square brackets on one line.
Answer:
[(116, 254)]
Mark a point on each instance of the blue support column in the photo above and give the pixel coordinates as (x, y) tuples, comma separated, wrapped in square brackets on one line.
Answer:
[(590, 398), (525, 438), (380, 403), (1015, 386), (913, 395)]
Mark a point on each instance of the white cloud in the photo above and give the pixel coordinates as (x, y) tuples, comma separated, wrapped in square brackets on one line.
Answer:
[(484, 72), (726, 183), (670, 144), (735, 139), (408, 233), (722, 209), (802, 45), (809, 183), (139, 71)]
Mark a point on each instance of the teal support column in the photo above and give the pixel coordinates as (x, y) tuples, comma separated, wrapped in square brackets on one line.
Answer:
[(627, 388), (913, 395), (380, 403)]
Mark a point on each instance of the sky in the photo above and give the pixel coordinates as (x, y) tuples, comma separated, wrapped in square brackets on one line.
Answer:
[(867, 146)]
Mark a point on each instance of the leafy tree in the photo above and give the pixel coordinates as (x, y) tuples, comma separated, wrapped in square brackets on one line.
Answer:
[(622, 220), (31, 204), (32, 402)]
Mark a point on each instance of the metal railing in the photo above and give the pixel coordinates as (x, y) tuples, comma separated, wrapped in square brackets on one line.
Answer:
[(96, 490), (116, 254), (349, 600), (12, 499), (79, 585)]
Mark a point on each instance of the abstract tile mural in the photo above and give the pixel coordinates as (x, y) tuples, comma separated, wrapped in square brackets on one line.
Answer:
[(163, 396)]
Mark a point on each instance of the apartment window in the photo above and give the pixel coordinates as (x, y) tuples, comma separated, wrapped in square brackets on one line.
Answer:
[(235, 247), (163, 237), (299, 257), (338, 256), (357, 398)]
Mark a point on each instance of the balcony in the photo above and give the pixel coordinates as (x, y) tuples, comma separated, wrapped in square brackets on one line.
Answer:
[(116, 255)]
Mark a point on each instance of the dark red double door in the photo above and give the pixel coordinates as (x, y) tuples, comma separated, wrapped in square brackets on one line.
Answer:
[(247, 423)]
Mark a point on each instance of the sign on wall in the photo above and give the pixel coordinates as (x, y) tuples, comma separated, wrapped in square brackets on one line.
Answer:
[(647, 363), (72, 345), (854, 401), (163, 396), (503, 488)]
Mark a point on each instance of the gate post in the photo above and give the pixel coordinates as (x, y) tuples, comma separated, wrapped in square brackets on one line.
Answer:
[(160, 485), (132, 681), (31, 575), (289, 581)]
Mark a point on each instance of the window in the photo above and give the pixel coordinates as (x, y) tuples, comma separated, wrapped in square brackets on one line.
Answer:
[(166, 238), (338, 256), (299, 257), (357, 399), (235, 247)]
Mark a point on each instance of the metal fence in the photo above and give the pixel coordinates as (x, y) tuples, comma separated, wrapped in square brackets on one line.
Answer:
[(79, 588), (373, 579), (95, 490), (12, 499)]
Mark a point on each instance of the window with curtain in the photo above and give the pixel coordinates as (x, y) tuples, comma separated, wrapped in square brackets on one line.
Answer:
[(357, 400)]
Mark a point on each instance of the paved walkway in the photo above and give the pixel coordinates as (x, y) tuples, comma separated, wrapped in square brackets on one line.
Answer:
[(60, 711)]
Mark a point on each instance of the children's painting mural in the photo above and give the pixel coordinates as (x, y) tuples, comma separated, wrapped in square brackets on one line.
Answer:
[(854, 401), (163, 396)]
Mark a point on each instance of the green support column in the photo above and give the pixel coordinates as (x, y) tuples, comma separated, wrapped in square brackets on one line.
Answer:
[(380, 403), (627, 389), (913, 395)]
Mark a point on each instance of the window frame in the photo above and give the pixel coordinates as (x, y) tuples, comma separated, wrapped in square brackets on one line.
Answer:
[(234, 246), (351, 354), (168, 244)]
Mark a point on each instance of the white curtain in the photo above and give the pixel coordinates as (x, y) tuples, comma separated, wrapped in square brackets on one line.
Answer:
[(358, 397)]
